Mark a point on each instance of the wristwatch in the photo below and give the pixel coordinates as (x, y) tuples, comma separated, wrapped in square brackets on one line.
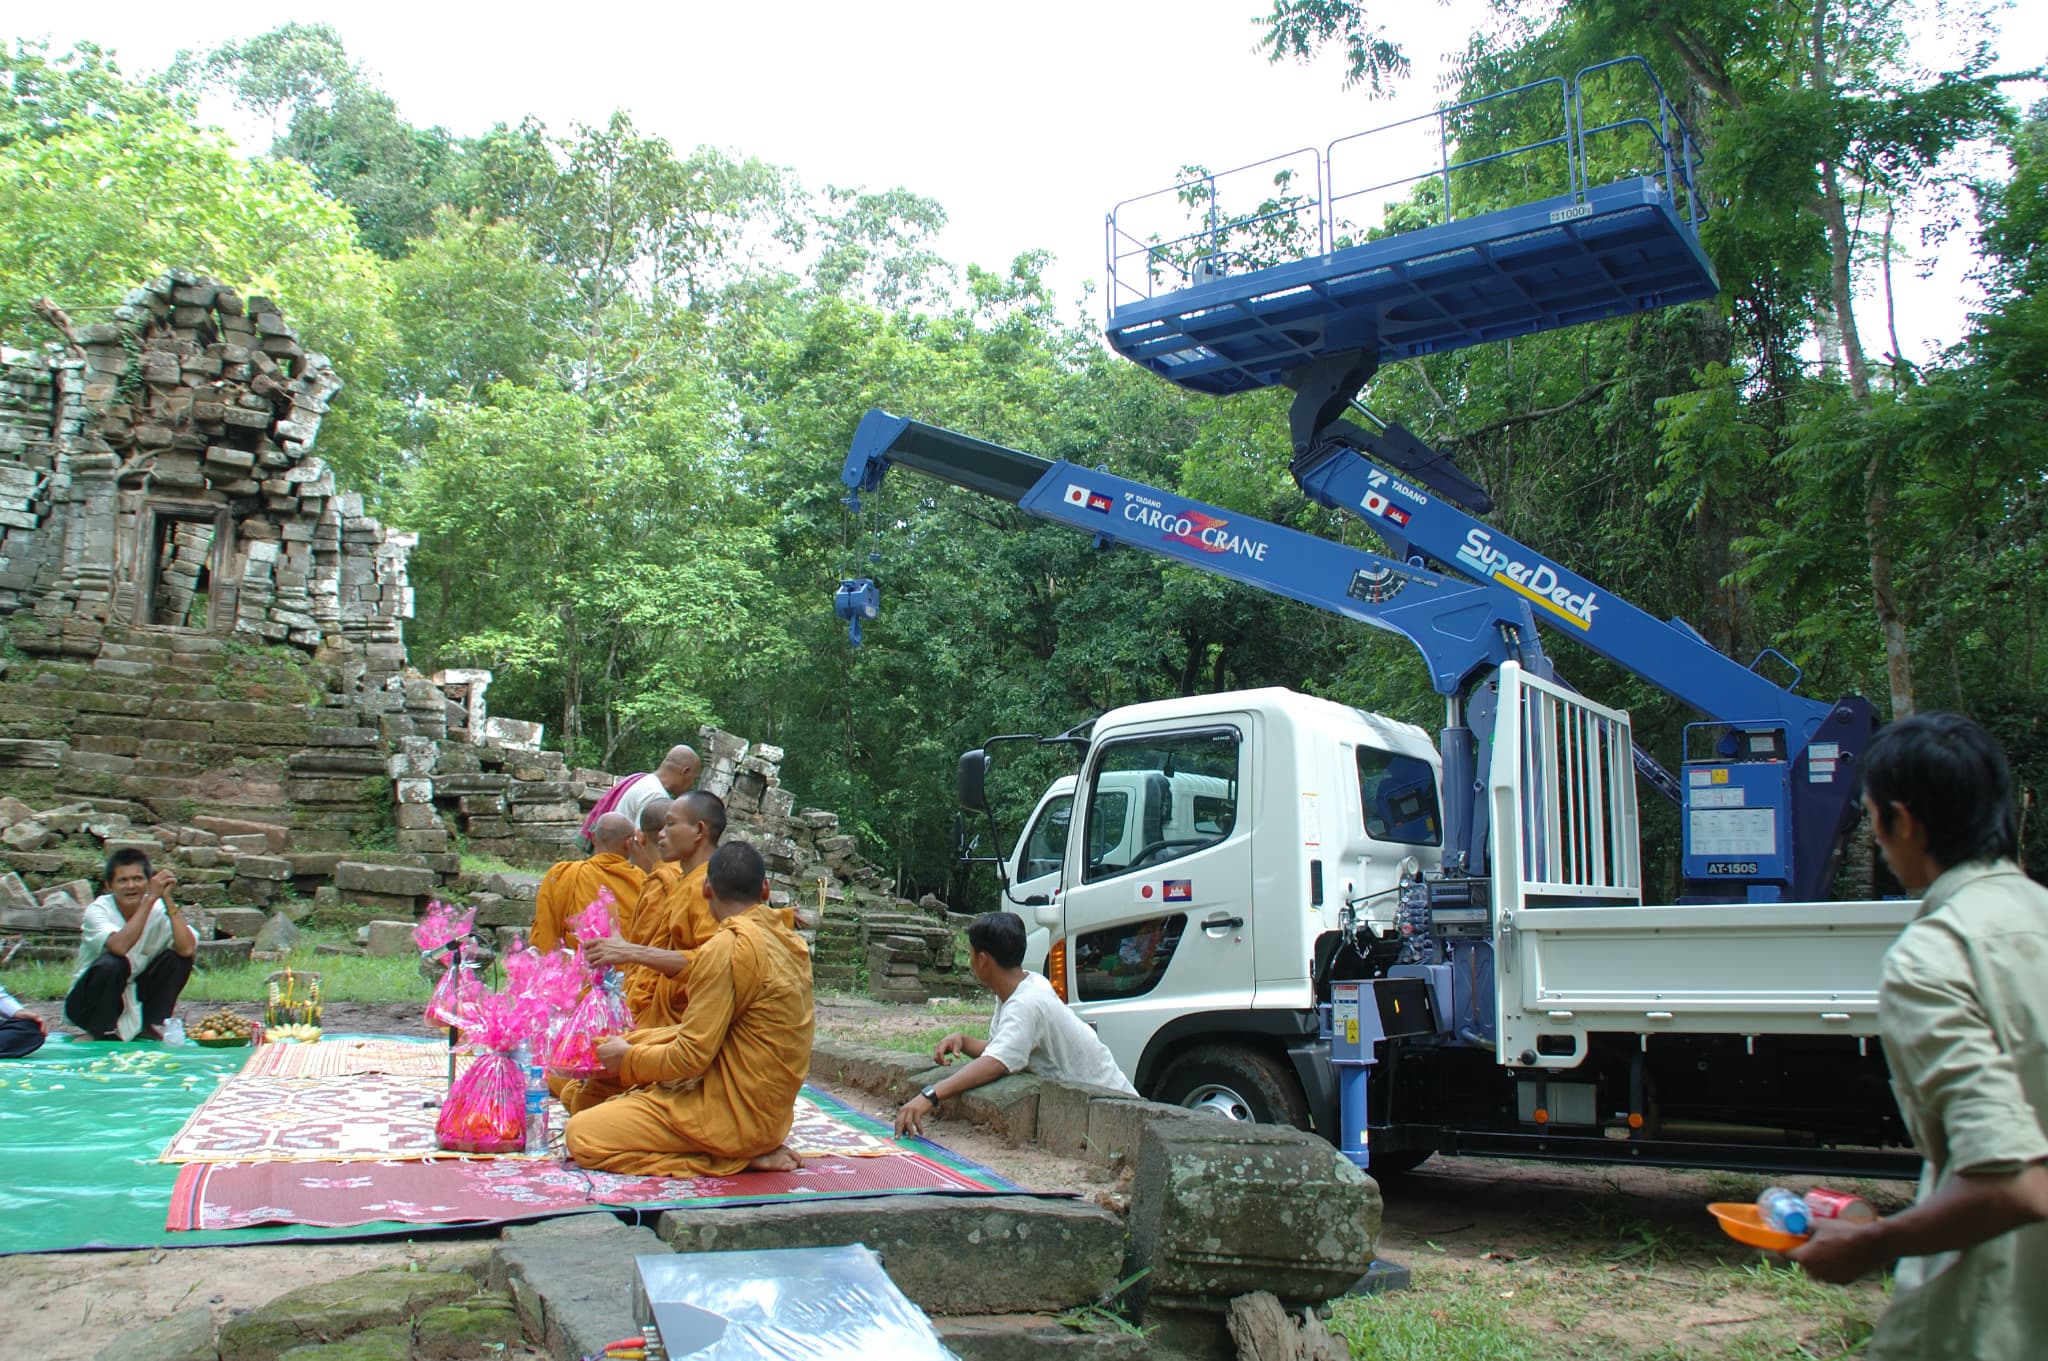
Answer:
[(931, 1094)]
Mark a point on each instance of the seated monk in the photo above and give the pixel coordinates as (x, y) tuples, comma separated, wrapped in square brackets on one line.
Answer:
[(572, 885), (683, 847), (644, 850), (655, 955), (717, 1094)]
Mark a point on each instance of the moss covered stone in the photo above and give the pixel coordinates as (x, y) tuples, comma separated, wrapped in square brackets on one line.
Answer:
[(340, 1308), (458, 1332), (393, 1343)]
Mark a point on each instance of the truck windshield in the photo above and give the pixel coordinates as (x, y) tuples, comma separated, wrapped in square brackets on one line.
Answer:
[(1047, 845), (1398, 794), (1156, 798)]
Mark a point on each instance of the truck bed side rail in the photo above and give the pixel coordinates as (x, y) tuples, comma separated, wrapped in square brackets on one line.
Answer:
[(1564, 797)]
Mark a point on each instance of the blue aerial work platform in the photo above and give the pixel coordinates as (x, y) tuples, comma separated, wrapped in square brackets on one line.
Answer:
[(1247, 297)]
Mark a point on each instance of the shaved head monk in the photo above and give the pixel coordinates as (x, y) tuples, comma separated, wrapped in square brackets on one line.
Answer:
[(640, 846), (717, 1094), (678, 920), (677, 774), (572, 885)]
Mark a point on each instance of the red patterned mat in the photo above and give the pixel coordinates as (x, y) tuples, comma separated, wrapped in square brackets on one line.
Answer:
[(368, 1115), (240, 1196), (379, 1116)]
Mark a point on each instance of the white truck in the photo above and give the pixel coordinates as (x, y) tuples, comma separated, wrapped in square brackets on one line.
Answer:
[(1239, 919)]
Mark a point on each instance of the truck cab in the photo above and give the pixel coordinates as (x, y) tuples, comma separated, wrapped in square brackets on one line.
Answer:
[(1225, 840)]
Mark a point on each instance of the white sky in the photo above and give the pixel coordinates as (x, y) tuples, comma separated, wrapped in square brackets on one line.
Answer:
[(1026, 122)]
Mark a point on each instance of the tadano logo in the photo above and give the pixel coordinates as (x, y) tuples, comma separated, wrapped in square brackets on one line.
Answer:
[(1381, 481), (1539, 581)]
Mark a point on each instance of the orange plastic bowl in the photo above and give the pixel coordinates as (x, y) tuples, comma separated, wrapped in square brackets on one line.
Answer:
[(1744, 1223)]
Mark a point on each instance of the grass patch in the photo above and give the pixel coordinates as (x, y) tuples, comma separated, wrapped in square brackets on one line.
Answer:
[(473, 863), (1447, 1319), (909, 1030), (922, 1040), (38, 982), (343, 978)]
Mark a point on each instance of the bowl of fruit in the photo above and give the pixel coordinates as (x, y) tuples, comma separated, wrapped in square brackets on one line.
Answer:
[(220, 1029)]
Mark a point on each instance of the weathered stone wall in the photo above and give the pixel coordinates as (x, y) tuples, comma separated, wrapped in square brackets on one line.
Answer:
[(160, 470)]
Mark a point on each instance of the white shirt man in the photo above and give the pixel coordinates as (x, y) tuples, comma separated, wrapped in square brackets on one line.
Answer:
[(1032, 1029), (135, 953)]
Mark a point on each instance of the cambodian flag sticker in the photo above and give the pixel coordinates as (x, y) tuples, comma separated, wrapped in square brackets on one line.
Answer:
[(1180, 890), (1077, 495), (1097, 501)]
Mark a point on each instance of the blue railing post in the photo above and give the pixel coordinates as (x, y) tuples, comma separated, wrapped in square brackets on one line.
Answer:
[(1443, 149)]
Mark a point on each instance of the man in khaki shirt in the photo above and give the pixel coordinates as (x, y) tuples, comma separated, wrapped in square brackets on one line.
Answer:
[(1963, 1009)]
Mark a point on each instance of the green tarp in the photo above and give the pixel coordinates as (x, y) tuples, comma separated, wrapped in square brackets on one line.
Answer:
[(81, 1125)]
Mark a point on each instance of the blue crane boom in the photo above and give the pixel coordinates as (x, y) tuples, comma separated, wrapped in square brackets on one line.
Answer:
[(1464, 630)]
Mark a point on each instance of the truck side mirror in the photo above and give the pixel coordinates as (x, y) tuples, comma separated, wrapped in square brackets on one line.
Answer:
[(970, 779)]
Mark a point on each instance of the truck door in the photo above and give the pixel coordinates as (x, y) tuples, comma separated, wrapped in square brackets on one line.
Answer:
[(1034, 871), (1158, 889)]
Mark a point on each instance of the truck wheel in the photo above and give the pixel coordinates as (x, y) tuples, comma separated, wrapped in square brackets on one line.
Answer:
[(1236, 1083)]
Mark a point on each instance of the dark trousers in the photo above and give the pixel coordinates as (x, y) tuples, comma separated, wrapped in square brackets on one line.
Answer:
[(94, 1005), (20, 1036)]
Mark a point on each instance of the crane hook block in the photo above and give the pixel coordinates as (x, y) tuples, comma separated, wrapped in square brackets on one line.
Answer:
[(856, 600)]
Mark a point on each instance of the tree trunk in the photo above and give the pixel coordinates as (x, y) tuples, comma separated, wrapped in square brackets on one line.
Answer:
[(1877, 504), (572, 682), (1877, 510)]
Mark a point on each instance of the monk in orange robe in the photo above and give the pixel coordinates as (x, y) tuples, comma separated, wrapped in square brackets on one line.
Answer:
[(572, 885), (672, 906), (645, 851), (716, 1094), (656, 956)]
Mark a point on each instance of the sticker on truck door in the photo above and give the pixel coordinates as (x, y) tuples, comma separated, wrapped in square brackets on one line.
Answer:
[(1167, 891)]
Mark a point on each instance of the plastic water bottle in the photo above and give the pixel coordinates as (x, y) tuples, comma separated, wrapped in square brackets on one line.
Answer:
[(174, 1031), (1785, 1212), (536, 1102)]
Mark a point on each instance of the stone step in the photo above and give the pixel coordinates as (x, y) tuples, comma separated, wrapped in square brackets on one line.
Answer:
[(950, 1255), (571, 1279), (214, 953)]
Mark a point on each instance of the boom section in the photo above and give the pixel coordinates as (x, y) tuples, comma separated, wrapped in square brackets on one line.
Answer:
[(1668, 654), (1463, 630)]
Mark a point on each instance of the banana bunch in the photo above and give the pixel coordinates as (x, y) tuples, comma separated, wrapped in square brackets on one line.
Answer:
[(304, 1034)]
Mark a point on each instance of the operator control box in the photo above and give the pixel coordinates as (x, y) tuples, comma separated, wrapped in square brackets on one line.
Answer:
[(1737, 807)]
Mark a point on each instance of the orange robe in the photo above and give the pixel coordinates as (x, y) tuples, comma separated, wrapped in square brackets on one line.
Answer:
[(653, 997), (706, 1097), (572, 885)]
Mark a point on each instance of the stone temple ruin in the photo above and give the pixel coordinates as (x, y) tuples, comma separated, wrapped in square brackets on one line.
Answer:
[(208, 659)]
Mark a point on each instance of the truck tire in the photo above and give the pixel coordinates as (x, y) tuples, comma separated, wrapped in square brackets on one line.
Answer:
[(1236, 1083)]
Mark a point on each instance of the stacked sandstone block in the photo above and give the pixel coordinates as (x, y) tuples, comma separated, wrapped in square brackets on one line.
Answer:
[(205, 401)]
